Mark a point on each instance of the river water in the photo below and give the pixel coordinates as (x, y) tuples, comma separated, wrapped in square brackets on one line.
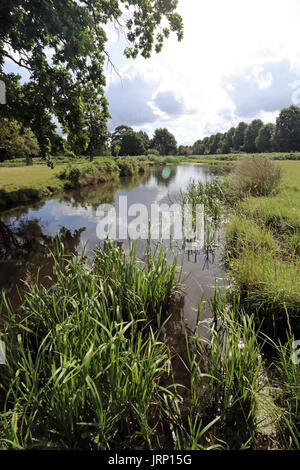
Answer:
[(27, 231)]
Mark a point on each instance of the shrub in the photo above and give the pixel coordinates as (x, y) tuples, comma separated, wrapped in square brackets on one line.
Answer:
[(254, 175), (153, 152)]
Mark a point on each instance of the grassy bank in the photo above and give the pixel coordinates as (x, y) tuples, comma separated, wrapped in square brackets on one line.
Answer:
[(263, 242), (19, 185), (258, 319)]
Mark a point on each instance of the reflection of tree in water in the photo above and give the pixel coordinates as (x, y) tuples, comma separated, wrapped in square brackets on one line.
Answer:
[(165, 175), (92, 196), (25, 251)]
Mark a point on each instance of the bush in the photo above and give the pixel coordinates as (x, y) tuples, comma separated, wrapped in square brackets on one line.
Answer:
[(254, 175), (153, 152)]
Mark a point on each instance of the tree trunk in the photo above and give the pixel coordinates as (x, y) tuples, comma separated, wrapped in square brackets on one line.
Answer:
[(91, 156), (28, 160)]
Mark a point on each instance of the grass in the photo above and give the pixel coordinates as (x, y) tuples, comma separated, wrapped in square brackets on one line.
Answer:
[(19, 185), (87, 360), (259, 317), (84, 358), (263, 248)]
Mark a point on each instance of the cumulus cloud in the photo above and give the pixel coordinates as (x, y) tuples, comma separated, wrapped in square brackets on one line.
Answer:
[(130, 99), (138, 99), (172, 103), (264, 88)]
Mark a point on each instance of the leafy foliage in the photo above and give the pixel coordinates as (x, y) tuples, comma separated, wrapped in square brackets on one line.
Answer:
[(61, 43), (164, 142)]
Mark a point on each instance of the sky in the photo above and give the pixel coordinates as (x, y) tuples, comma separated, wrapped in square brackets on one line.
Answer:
[(238, 60)]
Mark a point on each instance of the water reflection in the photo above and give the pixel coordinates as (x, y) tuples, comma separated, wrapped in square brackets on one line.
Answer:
[(27, 233)]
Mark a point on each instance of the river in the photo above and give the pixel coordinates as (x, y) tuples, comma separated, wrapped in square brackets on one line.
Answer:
[(27, 231)]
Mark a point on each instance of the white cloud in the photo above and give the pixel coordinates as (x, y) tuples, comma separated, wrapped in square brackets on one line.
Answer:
[(222, 40)]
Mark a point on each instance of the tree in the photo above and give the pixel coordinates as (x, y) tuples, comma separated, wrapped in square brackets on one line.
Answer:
[(61, 43), (287, 132), (264, 140), (198, 148), (214, 143), (227, 142), (224, 145), (145, 138), (251, 135), (17, 141), (119, 132), (239, 136), (185, 150), (132, 144), (164, 142)]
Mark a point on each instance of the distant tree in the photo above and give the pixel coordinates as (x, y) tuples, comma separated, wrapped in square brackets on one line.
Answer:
[(119, 132), (132, 144), (224, 144), (115, 148), (198, 148), (206, 142), (145, 138), (185, 150), (215, 143), (164, 142), (251, 135), (18, 141), (228, 140), (239, 136), (264, 140), (287, 132)]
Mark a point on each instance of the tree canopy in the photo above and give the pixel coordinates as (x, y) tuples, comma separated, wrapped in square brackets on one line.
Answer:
[(17, 141), (164, 142), (287, 133), (132, 144), (251, 134), (62, 45)]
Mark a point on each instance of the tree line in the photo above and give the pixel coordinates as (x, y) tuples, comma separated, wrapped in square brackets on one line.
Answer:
[(284, 136)]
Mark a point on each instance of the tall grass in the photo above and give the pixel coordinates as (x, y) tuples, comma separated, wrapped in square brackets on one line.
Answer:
[(286, 376), (84, 361), (226, 377)]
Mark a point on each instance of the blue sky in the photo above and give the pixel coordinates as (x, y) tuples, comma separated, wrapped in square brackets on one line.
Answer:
[(239, 60)]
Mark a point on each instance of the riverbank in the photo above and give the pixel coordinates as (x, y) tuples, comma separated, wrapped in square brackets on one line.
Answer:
[(263, 244), (19, 185)]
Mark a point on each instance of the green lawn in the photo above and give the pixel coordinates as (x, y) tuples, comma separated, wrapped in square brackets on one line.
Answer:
[(36, 176)]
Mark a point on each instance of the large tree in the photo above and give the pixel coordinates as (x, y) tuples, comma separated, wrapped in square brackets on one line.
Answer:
[(17, 141), (287, 132), (62, 45), (264, 140), (132, 144), (164, 142), (239, 136), (251, 135)]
